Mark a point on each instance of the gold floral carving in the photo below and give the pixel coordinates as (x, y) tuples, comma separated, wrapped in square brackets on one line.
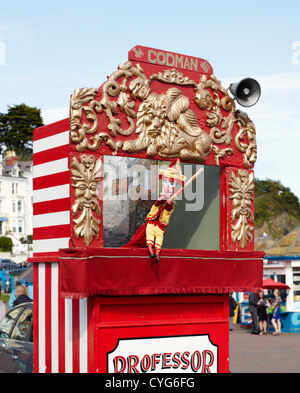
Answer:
[(79, 131), (245, 139), (114, 89), (208, 97), (168, 127), (86, 176), (173, 76), (118, 98), (111, 88), (242, 190)]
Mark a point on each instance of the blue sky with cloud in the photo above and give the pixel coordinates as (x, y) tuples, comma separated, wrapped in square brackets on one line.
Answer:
[(49, 47)]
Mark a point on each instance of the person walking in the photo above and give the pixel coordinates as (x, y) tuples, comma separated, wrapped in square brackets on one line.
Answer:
[(232, 307), (253, 306), (276, 322), (262, 313), (13, 295)]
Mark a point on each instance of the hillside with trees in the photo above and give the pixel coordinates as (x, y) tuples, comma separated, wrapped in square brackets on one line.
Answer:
[(277, 210)]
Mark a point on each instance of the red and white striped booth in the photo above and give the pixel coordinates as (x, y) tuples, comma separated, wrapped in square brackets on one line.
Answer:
[(101, 306)]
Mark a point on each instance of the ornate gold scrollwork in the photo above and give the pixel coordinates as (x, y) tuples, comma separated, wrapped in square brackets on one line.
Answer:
[(86, 177), (173, 76), (113, 89), (138, 88), (242, 189), (78, 131), (222, 126), (179, 126), (246, 128)]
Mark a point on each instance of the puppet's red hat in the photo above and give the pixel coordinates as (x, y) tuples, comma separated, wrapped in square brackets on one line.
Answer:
[(173, 172)]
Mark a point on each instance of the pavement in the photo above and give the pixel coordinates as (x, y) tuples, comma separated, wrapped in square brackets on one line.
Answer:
[(263, 354)]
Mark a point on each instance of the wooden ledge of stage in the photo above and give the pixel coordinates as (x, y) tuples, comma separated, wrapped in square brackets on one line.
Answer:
[(130, 272)]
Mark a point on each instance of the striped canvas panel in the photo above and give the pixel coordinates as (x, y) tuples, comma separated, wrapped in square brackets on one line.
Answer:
[(51, 189), (61, 329), (60, 325)]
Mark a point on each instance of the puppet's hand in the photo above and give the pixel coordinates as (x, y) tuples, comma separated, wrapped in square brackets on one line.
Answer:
[(162, 197), (169, 205)]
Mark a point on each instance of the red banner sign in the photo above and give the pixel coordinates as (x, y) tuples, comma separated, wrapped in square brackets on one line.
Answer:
[(170, 59)]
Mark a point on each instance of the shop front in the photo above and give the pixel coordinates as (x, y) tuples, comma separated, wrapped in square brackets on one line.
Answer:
[(286, 269)]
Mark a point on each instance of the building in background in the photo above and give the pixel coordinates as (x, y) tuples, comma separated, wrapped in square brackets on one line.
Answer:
[(282, 263), (16, 201)]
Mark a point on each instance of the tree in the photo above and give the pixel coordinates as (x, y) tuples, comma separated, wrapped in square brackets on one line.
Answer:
[(16, 129), (5, 244), (272, 199)]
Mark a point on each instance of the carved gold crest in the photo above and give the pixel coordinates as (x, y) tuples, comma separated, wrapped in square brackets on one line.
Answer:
[(163, 124), (168, 127), (126, 115)]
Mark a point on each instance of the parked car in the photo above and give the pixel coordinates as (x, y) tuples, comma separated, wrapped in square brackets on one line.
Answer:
[(8, 264), (16, 340)]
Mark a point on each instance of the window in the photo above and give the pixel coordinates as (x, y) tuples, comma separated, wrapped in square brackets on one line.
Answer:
[(130, 188), (13, 206), (296, 284), (7, 323), (14, 188), (19, 206), (23, 326), (20, 226)]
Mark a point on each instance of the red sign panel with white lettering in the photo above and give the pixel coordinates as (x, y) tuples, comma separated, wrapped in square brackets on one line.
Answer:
[(170, 59), (176, 354), (184, 334)]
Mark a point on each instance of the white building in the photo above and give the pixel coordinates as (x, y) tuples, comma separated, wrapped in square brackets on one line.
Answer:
[(16, 198), (282, 263)]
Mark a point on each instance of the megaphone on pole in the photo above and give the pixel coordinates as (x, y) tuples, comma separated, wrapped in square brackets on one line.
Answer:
[(246, 92)]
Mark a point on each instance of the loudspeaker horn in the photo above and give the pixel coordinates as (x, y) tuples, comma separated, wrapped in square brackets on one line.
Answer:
[(247, 91)]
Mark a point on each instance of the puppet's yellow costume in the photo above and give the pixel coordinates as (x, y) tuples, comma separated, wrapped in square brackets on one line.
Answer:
[(158, 218), (160, 213), (153, 230)]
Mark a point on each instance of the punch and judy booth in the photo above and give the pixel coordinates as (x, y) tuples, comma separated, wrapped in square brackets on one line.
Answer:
[(143, 221)]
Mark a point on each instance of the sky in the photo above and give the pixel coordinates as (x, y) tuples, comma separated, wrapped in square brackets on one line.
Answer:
[(49, 47)]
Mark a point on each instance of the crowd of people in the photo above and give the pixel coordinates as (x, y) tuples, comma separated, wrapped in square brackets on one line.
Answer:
[(258, 307), (7, 286)]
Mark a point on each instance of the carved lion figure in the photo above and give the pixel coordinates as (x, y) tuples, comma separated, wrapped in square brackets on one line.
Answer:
[(168, 127)]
